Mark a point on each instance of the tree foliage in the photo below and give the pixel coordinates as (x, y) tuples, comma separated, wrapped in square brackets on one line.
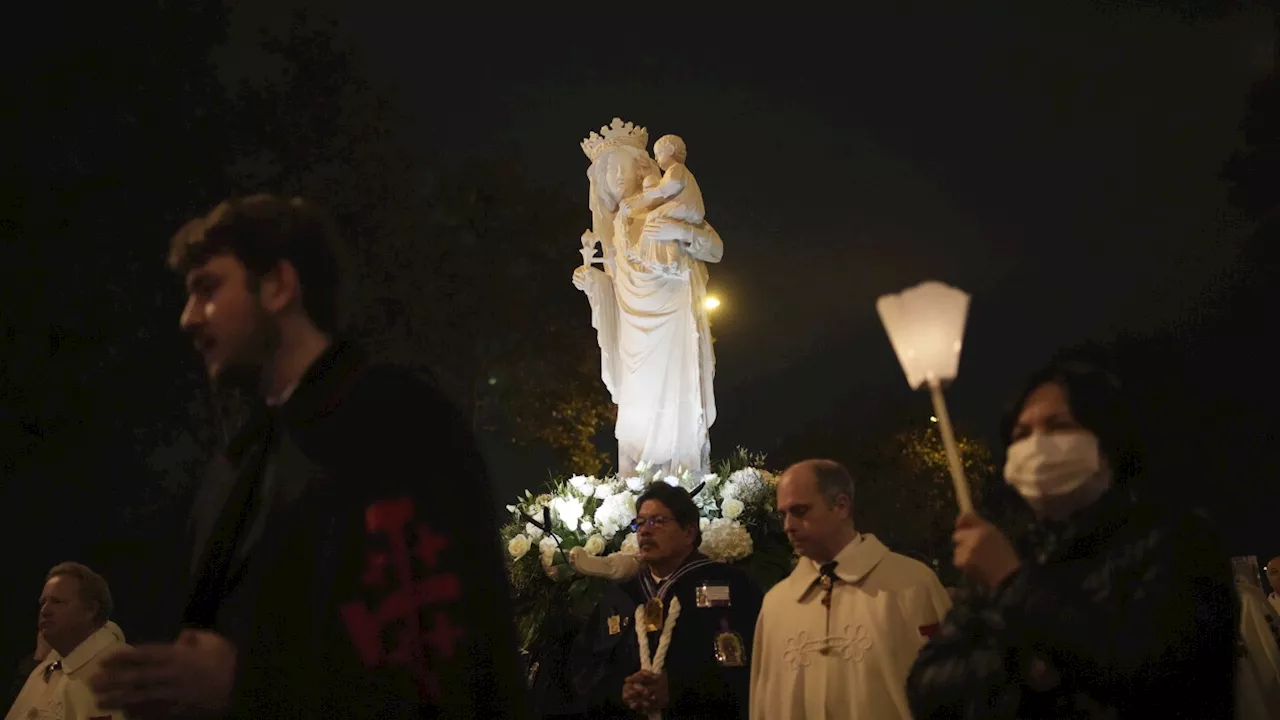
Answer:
[(906, 497), (461, 272)]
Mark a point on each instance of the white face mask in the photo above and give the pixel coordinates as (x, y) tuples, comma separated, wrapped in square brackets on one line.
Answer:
[(1046, 466)]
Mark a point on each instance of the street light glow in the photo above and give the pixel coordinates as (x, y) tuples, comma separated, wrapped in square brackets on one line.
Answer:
[(933, 418), (711, 303)]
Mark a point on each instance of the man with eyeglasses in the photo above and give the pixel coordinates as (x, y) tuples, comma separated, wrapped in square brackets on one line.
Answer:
[(707, 610), (836, 639)]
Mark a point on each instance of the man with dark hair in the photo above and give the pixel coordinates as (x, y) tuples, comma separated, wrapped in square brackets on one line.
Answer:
[(332, 574), (75, 621), (838, 636), (707, 610)]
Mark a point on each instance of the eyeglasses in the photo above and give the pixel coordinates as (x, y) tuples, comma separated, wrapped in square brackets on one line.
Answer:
[(653, 522)]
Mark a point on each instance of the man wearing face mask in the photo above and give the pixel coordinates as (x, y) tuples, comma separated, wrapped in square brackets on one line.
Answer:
[(1112, 606)]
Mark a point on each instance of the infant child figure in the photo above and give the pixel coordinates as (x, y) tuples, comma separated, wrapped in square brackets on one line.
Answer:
[(675, 196)]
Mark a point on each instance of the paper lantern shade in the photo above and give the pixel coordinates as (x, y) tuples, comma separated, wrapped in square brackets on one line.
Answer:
[(926, 328)]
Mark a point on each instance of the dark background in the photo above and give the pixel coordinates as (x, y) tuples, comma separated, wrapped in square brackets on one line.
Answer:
[(1063, 162)]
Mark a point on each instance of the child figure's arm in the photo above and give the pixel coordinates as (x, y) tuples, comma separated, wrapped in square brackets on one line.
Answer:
[(672, 184)]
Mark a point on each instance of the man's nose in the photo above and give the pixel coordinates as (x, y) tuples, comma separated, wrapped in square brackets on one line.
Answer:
[(192, 314)]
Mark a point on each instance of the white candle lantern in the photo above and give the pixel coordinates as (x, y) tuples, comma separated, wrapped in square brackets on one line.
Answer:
[(925, 325)]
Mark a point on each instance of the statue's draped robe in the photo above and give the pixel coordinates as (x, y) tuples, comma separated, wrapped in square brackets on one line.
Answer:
[(854, 663), (655, 344)]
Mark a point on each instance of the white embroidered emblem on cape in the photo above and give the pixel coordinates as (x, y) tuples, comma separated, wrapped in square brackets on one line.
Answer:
[(852, 644)]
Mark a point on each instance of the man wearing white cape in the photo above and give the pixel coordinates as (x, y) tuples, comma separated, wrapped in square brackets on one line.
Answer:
[(1258, 667), (655, 340), (1273, 577), (837, 638)]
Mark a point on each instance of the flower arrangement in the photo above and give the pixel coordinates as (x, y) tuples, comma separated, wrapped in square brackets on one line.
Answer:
[(738, 521)]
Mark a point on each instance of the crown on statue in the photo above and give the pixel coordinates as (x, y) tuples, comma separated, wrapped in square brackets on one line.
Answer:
[(616, 134)]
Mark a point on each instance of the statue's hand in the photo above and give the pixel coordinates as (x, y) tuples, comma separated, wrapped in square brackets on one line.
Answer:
[(667, 230), (626, 208), (580, 278)]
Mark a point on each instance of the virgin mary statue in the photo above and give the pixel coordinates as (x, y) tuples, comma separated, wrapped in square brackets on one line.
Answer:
[(649, 315)]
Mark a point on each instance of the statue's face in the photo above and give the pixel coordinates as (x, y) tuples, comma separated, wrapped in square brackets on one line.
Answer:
[(622, 178)]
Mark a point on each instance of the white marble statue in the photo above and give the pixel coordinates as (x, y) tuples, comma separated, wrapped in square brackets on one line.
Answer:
[(647, 304)]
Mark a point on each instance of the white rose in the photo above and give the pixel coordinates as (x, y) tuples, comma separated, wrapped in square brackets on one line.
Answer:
[(630, 545), (672, 480), (587, 526), (731, 508), (582, 483), (729, 490), (603, 491), (594, 545), (532, 531), (518, 546), (635, 484)]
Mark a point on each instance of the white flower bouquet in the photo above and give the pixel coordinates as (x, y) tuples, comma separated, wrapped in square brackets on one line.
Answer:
[(738, 525)]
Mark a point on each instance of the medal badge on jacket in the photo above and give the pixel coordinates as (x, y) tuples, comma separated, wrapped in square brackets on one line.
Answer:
[(653, 609), (729, 647)]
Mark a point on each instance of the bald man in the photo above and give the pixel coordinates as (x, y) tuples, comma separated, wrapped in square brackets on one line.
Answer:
[(1273, 577), (837, 638)]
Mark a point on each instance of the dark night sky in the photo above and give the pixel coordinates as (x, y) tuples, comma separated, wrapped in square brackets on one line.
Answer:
[(1058, 162)]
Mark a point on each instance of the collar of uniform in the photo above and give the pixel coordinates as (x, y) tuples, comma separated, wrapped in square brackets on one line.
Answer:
[(853, 564), (650, 586), (103, 638)]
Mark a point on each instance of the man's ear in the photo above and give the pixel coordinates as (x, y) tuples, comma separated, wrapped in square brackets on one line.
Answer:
[(279, 287), (843, 501)]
